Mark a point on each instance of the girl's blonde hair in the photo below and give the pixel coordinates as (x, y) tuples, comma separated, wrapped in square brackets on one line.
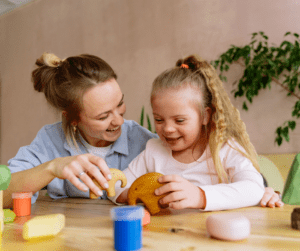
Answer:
[(65, 81), (225, 123)]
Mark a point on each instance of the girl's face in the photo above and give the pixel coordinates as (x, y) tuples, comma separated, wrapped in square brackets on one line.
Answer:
[(102, 114), (178, 119)]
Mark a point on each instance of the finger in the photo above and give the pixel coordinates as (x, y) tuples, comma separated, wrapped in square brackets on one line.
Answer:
[(169, 178), (88, 181), (279, 203), (273, 200), (93, 171), (269, 191), (265, 199), (172, 197), (179, 204), (75, 181), (101, 164), (169, 187)]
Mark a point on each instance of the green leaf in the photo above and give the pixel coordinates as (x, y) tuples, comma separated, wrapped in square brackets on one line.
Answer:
[(245, 107), (285, 133), (288, 33), (258, 48), (149, 123), (278, 140), (296, 35), (266, 37), (278, 131), (292, 124), (142, 117)]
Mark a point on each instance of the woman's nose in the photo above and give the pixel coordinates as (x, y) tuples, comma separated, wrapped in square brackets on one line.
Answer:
[(118, 118)]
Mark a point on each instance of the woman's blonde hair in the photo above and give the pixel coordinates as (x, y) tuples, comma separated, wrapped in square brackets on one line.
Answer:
[(225, 123), (65, 81)]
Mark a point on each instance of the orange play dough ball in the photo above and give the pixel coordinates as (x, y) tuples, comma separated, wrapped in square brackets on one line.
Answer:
[(146, 219)]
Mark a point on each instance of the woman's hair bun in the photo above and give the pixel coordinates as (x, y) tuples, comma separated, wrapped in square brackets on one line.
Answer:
[(49, 59)]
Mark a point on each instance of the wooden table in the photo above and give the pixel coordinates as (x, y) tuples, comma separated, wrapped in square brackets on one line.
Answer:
[(89, 227)]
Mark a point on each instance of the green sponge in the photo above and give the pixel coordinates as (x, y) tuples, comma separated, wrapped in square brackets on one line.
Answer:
[(5, 177), (9, 216), (291, 192)]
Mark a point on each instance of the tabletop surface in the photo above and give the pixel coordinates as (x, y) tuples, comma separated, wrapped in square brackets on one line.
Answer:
[(89, 227)]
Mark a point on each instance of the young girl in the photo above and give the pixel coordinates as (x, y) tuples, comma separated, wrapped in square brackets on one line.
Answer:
[(203, 148)]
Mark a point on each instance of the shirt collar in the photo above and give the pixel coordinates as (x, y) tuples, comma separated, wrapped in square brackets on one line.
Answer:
[(120, 145)]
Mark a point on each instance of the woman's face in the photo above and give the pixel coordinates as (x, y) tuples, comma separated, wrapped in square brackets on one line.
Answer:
[(102, 114)]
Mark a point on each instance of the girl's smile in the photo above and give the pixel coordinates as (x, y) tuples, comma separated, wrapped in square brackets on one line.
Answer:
[(178, 120)]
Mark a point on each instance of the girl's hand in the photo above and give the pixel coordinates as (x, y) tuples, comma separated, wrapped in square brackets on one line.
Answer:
[(75, 167), (271, 198), (182, 193)]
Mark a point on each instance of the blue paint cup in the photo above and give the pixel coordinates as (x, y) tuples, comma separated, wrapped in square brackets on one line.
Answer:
[(127, 227)]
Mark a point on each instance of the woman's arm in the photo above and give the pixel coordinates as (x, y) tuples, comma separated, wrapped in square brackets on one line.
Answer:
[(33, 179)]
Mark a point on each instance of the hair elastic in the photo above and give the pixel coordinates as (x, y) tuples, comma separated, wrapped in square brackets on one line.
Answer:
[(184, 66)]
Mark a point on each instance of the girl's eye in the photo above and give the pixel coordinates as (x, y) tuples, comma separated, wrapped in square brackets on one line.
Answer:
[(180, 120)]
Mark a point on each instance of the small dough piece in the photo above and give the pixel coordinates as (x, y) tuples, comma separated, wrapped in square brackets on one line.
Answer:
[(228, 226), (143, 189), (116, 175)]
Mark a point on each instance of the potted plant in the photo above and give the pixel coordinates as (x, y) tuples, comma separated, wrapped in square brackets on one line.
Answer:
[(265, 65)]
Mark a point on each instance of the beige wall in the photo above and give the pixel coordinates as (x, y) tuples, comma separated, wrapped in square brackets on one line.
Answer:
[(140, 39)]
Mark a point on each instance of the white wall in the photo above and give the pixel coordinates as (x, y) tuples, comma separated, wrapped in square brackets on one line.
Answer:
[(140, 39)]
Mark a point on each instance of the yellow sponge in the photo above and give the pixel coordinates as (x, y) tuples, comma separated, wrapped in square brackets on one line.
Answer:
[(43, 226)]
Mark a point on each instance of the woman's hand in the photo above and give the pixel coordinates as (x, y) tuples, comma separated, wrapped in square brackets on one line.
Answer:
[(182, 193), (271, 198), (75, 167)]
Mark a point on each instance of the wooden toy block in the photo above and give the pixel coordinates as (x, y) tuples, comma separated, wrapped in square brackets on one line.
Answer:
[(295, 217), (43, 226), (143, 189), (116, 175)]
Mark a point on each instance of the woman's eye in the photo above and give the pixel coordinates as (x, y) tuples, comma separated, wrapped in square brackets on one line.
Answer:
[(104, 118), (121, 103)]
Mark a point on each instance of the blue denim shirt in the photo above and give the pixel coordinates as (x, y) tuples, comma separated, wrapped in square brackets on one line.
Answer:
[(50, 143)]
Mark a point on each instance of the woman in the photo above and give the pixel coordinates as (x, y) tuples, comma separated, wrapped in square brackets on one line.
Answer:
[(64, 155)]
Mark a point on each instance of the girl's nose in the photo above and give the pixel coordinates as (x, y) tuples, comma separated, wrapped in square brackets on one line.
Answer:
[(169, 128)]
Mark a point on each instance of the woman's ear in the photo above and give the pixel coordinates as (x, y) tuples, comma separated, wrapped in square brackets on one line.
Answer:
[(206, 115), (65, 114)]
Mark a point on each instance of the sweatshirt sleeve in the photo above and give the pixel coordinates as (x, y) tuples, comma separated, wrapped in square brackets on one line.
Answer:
[(245, 186)]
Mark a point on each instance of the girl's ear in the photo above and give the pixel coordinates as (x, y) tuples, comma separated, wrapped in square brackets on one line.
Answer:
[(206, 115)]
